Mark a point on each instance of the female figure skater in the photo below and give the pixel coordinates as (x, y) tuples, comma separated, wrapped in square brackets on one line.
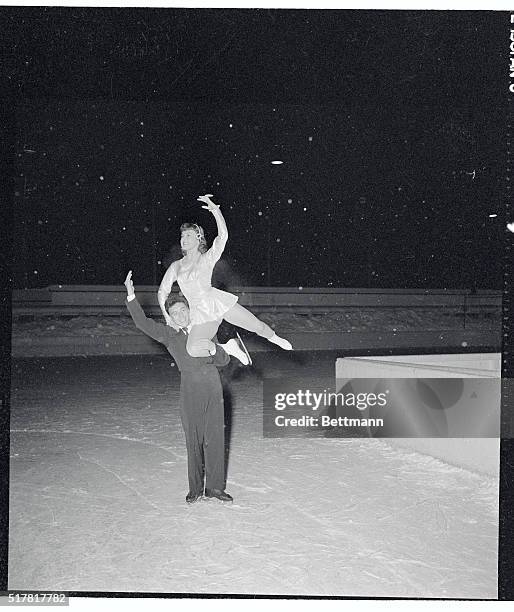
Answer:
[(208, 305)]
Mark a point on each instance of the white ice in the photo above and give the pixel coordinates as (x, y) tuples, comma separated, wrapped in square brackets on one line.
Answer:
[(98, 481)]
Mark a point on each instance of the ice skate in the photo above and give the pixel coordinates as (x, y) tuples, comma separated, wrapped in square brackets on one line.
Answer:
[(191, 498), (237, 349), (221, 495), (282, 342)]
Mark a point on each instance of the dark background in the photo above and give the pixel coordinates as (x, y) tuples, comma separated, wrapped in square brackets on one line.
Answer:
[(390, 126)]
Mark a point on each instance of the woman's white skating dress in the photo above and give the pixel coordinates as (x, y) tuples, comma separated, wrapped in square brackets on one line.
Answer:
[(206, 303)]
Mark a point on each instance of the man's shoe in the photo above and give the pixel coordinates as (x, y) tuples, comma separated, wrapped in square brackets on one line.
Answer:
[(191, 498), (221, 495)]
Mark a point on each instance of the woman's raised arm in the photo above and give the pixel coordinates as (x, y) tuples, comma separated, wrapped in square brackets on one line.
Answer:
[(218, 245)]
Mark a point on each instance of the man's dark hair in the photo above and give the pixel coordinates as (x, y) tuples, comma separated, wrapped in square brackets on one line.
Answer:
[(175, 300)]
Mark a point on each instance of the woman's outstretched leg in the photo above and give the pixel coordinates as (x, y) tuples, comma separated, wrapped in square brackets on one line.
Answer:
[(199, 343), (241, 317)]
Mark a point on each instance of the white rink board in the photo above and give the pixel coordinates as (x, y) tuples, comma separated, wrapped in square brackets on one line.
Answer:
[(476, 454)]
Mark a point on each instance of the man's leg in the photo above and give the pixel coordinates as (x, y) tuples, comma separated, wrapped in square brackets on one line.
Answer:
[(214, 442), (192, 416), (214, 436), (194, 457)]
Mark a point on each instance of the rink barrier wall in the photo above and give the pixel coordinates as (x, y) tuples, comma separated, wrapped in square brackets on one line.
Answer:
[(83, 300), (140, 344), (480, 455), (110, 299)]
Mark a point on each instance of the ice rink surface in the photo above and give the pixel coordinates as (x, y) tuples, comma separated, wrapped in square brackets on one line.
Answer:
[(98, 485)]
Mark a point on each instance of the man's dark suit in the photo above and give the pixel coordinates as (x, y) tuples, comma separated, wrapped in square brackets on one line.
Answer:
[(201, 401)]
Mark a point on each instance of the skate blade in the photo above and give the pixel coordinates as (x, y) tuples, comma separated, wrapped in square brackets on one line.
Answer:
[(244, 348)]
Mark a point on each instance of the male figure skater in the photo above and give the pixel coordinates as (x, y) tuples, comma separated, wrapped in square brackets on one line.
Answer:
[(201, 396)]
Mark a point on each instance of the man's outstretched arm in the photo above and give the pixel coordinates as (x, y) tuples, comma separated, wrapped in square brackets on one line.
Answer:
[(157, 331)]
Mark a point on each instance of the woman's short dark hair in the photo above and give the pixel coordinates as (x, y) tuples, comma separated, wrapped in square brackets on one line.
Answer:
[(175, 299), (198, 230)]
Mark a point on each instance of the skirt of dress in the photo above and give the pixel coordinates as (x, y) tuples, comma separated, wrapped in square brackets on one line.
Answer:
[(211, 307)]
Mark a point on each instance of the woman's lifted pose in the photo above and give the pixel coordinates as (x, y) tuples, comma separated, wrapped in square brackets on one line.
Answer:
[(208, 306)]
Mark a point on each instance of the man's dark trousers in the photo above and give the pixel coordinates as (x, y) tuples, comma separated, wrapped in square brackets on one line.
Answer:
[(201, 411)]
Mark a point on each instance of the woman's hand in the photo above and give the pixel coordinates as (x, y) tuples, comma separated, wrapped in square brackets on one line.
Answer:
[(222, 236), (210, 204), (129, 284)]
